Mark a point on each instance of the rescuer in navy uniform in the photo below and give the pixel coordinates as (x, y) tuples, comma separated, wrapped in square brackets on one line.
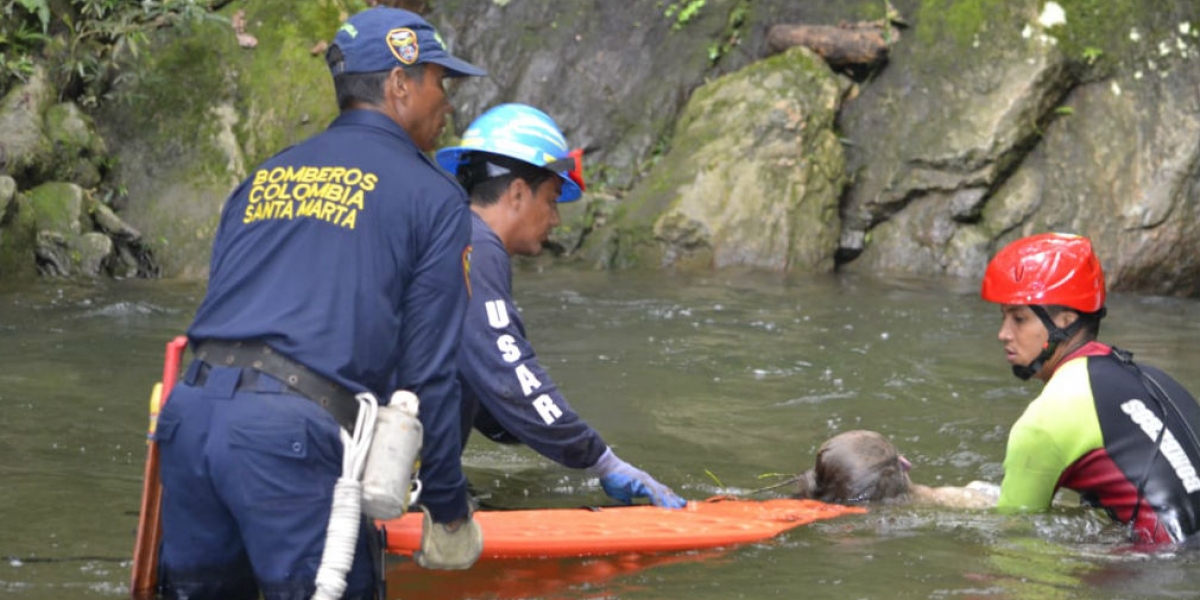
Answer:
[(515, 164), (338, 267)]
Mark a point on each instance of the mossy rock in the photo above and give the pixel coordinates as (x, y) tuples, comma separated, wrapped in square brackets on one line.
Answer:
[(17, 240), (79, 152), (8, 191), (209, 111), (55, 206), (24, 150), (753, 176)]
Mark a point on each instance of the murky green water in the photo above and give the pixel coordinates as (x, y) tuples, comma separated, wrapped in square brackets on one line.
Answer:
[(713, 384)]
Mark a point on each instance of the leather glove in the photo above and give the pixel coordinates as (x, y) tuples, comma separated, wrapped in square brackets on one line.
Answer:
[(624, 482), (445, 549)]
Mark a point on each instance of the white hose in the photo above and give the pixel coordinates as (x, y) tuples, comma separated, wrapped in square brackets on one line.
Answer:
[(345, 516)]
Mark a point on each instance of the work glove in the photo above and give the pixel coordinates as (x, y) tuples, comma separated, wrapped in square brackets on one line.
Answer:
[(624, 482), (445, 549)]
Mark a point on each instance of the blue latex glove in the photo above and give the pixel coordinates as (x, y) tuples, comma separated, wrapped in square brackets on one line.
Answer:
[(624, 482)]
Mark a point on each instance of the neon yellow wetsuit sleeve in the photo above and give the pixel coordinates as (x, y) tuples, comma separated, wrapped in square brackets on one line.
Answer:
[(1058, 428)]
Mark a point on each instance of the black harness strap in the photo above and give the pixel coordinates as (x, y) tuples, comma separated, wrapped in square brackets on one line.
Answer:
[(1164, 401)]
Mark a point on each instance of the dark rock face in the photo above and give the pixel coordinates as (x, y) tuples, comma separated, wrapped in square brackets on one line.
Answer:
[(989, 121), (615, 75), (962, 147)]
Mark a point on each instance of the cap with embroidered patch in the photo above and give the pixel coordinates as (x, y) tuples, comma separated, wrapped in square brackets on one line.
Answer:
[(383, 38)]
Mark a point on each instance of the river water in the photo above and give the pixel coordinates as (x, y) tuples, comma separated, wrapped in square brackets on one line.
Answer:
[(716, 384)]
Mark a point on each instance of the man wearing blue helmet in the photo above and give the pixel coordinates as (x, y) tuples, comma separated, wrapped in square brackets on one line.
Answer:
[(514, 163), (337, 273)]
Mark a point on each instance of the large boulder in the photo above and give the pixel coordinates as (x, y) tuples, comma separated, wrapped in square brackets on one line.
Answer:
[(57, 207), (16, 242), (52, 215), (25, 152), (753, 176), (79, 154), (64, 231), (8, 190)]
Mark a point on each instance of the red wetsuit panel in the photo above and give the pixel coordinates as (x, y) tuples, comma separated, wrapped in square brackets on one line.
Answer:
[(1101, 484)]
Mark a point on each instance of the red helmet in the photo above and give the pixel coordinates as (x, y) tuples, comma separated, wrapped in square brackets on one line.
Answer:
[(1044, 269)]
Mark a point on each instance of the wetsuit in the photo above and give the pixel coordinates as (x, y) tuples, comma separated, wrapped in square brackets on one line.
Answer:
[(346, 254), (1096, 429), (507, 395)]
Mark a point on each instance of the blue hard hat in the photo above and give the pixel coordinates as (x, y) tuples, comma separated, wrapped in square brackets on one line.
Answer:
[(524, 133)]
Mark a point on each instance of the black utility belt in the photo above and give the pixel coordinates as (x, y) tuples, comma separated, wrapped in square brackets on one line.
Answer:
[(332, 396)]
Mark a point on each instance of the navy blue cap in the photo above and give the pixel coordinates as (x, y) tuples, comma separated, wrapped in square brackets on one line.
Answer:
[(383, 38)]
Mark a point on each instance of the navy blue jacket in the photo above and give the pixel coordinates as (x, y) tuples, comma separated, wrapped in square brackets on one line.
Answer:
[(347, 253), (507, 395)]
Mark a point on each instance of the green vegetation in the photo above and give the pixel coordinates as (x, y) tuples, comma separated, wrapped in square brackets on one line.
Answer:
[(1098, 34), (1106, 32), (960, 20), (732, 35), (89, 42), (683, 12), (714, 477), (19, 35)]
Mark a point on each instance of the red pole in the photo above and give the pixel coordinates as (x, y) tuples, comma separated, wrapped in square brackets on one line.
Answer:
[(144, 578)]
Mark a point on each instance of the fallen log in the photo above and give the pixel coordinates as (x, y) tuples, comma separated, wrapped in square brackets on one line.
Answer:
[(851, 45)]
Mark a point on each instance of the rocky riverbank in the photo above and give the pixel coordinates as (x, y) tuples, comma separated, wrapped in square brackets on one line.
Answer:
[(707, 147)]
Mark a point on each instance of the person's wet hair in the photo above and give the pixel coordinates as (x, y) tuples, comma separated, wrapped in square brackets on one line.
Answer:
[(856, 467)]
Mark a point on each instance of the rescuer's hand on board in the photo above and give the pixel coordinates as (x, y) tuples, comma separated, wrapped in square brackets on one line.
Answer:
[(449, 546), (624, 482)]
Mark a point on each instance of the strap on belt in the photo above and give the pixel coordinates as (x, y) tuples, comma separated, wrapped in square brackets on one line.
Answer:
[(251, 354)]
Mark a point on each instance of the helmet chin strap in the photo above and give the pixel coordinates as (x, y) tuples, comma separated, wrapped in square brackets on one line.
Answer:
[(1057, 336)]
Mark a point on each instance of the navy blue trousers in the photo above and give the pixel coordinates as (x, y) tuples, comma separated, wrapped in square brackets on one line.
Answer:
[(248, 470)]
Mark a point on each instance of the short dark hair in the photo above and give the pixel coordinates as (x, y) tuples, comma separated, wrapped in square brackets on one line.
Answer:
[(362, 88), (486, 189)]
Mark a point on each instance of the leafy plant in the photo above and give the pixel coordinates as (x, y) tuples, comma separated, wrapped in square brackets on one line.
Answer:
[(683, 12), (22, 30), (732, 34), (15, 59), (41, 8), (87, 42)]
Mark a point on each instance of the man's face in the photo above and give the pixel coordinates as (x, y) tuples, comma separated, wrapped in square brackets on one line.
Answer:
[(1022, 333), (428, 107), (537, 214)]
